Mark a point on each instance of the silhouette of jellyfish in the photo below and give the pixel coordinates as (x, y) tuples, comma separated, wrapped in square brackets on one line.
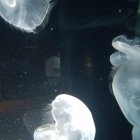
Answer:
[(28, 15), (68, 119), (126, 81)]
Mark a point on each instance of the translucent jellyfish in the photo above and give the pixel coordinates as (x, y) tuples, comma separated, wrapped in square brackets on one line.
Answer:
[(53, 66), (126, 81), (28, 15), (68, 119)]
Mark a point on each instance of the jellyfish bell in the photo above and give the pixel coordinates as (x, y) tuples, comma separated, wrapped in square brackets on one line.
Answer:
[(70, 114), (27, 15), (126, 87), (69, 119)]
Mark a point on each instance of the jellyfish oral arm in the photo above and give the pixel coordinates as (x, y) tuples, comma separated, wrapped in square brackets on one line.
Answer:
[(132, 51), (45, 133)]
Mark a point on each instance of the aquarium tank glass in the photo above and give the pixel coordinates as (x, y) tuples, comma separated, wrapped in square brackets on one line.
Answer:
[(69, 70)]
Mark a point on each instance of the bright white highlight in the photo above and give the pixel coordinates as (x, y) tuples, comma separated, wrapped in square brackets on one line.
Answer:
[(28, 15), (45, 133), (11, 3), (126, 81), (72, 121)]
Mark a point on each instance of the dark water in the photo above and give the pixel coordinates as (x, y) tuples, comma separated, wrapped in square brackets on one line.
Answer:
[(85, 67)]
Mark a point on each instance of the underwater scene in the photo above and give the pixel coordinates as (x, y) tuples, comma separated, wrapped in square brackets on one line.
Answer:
[(69, 70)]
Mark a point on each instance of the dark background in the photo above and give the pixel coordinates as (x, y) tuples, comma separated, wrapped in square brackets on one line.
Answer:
[(24, 86)]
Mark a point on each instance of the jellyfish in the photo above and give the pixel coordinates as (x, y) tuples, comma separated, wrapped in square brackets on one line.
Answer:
[(126, 81), (68, 119), (27, 15), (33, 16), (52, 66)]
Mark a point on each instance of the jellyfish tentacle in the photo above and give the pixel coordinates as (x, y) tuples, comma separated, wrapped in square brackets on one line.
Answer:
[(132, 51)]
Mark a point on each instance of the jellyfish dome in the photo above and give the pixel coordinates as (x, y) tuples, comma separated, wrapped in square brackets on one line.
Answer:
[(68, 119), (28, 15), (126, 81)]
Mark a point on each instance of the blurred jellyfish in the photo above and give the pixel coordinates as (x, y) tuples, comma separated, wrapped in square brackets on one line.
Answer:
[(68, 119), (126, 81), (28, 15), (52, 67)]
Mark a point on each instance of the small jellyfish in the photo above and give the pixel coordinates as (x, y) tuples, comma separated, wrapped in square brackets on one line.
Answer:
[(53, 66), (126, 81), (68, 119), (27, 15)]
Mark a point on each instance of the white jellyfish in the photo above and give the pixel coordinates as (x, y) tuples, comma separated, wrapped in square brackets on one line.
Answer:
[(68, 119), (28, 15), (126, 81)]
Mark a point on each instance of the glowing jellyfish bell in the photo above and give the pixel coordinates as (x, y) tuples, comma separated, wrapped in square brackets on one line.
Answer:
[(69, 119), (28, 15), (126, 81)]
